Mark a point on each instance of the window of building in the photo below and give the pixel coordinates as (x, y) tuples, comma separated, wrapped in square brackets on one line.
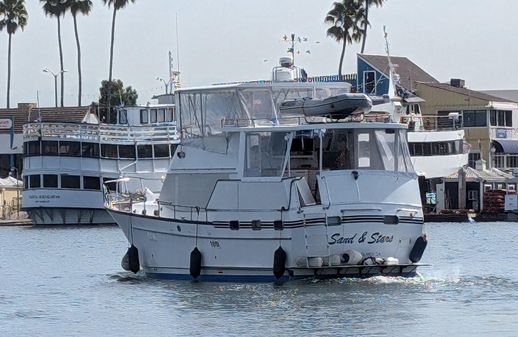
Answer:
[(90, 150), (145, 151), (35, 181), (474, 118), (127, 151), (26, 183), (472, 159), (50, 180), (501, 118), (109, 151), (69, 149), (70, 182), (152, 116), (369, 82), (49, 148), (144, 116), (92, 183), (161, 150)]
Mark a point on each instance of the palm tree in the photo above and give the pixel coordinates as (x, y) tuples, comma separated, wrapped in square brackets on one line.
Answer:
[(79, 7), (345, 17), (117, 4), (368, 3), (14, 15), (57, 8)]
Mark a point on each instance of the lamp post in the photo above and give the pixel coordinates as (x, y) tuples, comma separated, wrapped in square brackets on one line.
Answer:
[(47, 70), (11, 173), (165, 84)]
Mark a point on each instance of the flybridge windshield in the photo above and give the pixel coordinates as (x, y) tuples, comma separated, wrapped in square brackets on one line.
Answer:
[(204, 112)]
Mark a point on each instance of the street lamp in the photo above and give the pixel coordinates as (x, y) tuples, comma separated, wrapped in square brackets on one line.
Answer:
[(47, 70), (11, 174), (165, 83)]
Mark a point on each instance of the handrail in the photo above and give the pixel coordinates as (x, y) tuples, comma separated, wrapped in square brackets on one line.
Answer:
[(101, 132)]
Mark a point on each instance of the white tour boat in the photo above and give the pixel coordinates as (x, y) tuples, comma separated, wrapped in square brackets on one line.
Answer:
[(66, 164), (253, 195)]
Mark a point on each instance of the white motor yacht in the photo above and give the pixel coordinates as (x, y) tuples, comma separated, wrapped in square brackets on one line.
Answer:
[(255, 195)]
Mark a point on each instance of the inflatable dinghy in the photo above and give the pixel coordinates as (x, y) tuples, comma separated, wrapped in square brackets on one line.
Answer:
[(334, 107)]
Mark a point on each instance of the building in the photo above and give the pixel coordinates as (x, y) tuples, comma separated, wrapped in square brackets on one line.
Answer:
[(373, 74), (490, 123)]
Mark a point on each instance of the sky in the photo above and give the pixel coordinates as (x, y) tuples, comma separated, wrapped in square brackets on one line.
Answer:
[(230, 40)]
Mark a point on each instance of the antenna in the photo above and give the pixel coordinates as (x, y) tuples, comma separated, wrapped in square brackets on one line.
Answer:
[(392, 71)]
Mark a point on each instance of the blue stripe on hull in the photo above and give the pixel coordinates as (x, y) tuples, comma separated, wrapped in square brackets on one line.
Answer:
[(266, 278)]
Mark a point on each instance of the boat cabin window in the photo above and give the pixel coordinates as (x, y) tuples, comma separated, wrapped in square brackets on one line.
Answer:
[(33, 148), (92, 183), (112, 186), (153, 116), (144, 116), (109, 151), (35, 181), (338, 150), (259, 105), (90, 150), (70, 182), (69, 149), (145, 151), (204, 113), (161, 116), (161, 150), (393, 150), (49, 148), (265, 154), (123, 117), (50, 180), (127, 151), (168, 115)]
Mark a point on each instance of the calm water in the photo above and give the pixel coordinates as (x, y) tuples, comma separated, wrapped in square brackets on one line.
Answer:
[(68, 282)]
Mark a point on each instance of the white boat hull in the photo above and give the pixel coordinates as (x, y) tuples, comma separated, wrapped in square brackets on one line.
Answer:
[(247, 255), (69, 216)]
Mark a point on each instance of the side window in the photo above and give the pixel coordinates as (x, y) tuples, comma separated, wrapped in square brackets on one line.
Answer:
[(35, 181), (364, 150), (153, 116), (145, 151), (70, 182), (161, 116), (92, 183), (50, 180), (144, 116)]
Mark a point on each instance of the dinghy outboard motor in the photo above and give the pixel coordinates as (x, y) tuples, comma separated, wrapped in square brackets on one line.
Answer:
[(130, 261), (417, 251), (279, 262), (195, 266)]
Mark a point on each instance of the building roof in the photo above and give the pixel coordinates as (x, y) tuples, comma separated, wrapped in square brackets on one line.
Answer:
[(492, 174), (467, 92), (511, 95), (29, 112), (408, 71)]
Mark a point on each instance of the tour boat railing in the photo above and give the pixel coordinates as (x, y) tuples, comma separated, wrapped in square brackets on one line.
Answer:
[(105, 133), (421, 122)]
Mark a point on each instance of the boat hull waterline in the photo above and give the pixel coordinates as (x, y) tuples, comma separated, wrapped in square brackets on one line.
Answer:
[(246, 256)]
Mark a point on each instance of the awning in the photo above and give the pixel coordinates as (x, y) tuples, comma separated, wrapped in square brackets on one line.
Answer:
[(414, 99), (506, 146)]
